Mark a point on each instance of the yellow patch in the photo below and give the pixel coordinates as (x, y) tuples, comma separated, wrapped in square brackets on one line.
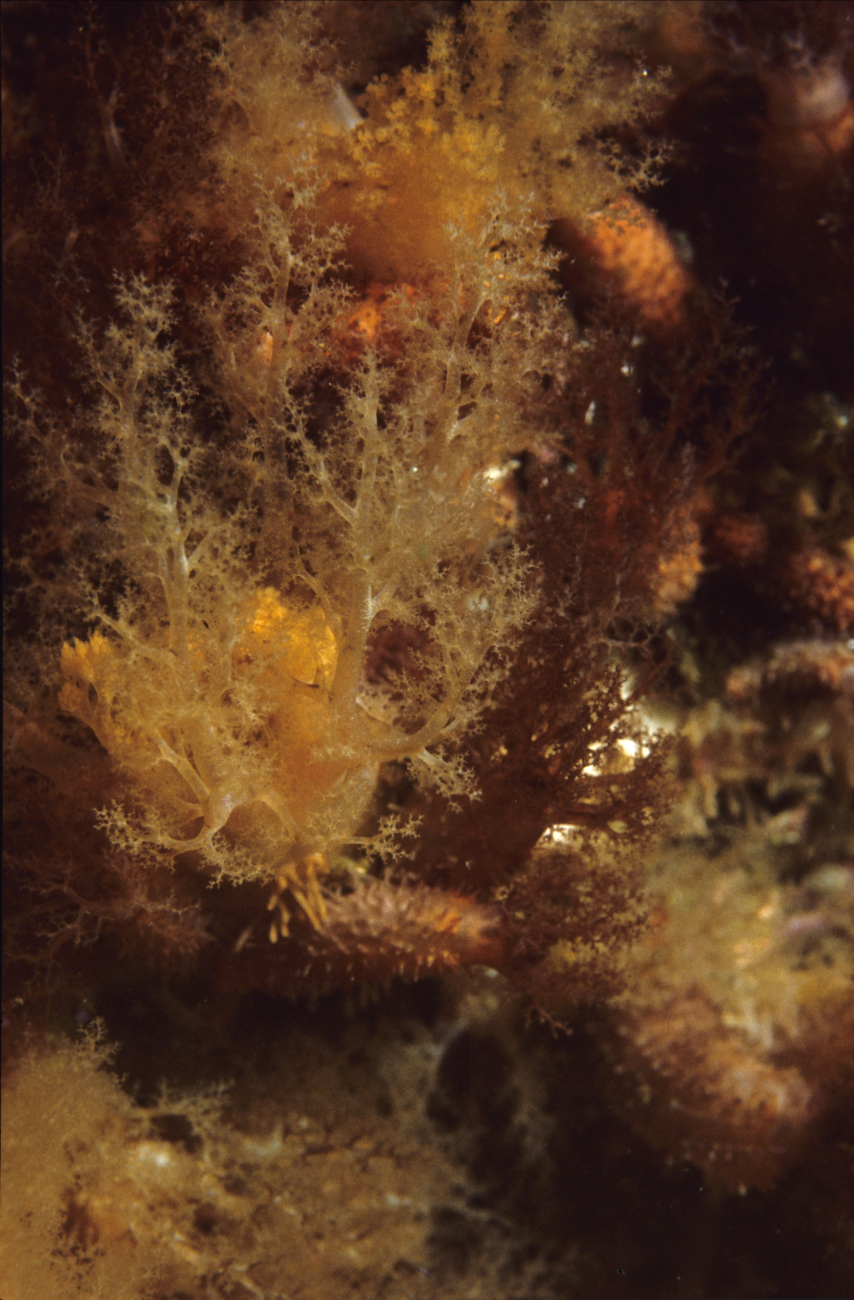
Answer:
[(301, 641)]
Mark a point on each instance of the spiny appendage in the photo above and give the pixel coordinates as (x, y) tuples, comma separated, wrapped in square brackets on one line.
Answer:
[(384, 930), (300, 878)]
